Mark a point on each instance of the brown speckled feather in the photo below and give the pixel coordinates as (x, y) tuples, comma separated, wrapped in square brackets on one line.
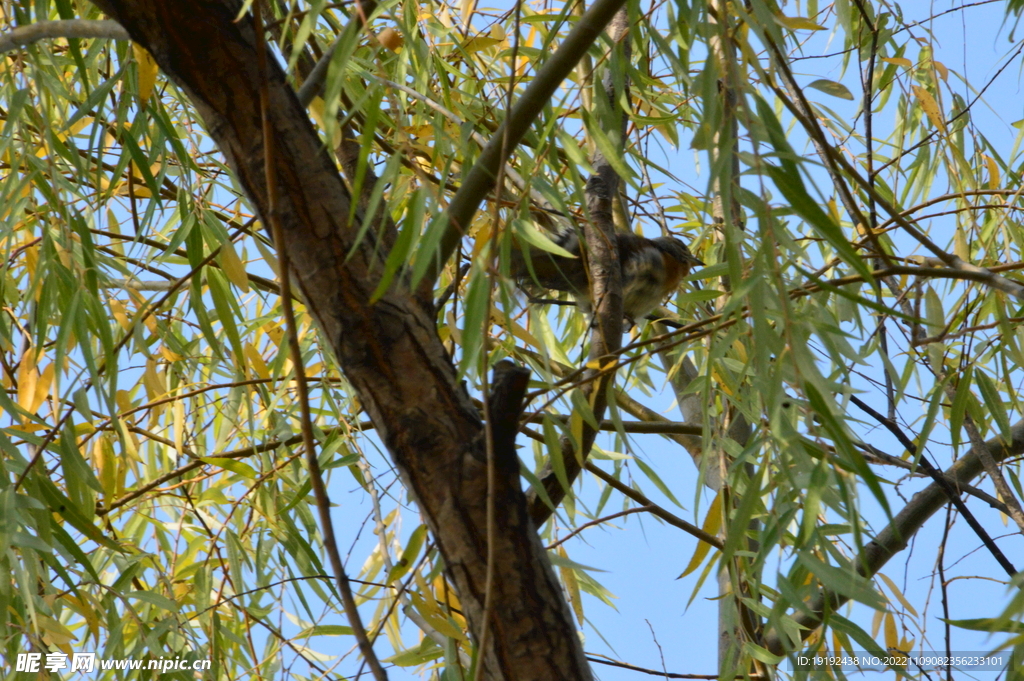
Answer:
[(651, 270)]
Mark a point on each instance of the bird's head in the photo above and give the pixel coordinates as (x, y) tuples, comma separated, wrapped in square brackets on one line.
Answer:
[(673, 247)]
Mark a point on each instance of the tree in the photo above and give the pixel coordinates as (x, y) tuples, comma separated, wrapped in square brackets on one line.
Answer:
[(169, 405)]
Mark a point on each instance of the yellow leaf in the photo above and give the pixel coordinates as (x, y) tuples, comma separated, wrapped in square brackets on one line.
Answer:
[(941, 68), (316, 108), (138, 188), (256, 361), (521, 333), (31, 254), (391, 39), (798, 23), (482, 238), (85, 609), (436, 618), (421, 133), (720, 380), (54, 633), (960, 247), (813, 639), (117, 309), (374, 562), (576, 426), (572, 587), (28, 427), (712, 523), (993, 173), (178, 426), (275, 332), (876, 623), (183, 591), (445, 594), (899, 61), (42, 388), (142, 304), (891, 637), (740, 350), (27, 379), (152, 380), (147, 72), (233, 267), (105, 463), (930, 107), (169, 355), (483, 41), (833, 210), (73, 130), (124, 400)]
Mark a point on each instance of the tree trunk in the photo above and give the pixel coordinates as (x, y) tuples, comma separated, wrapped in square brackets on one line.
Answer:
[(389, 350)]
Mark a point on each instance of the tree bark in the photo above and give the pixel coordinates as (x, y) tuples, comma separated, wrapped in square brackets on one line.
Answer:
[(389, 350)]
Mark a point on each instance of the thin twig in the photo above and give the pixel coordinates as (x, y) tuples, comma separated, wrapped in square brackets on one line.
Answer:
[(668, 517), (655, 672), (940, 480), (323, 502), (489, 400), (599, 521)]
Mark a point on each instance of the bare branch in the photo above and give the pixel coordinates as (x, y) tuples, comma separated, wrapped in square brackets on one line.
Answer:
[(63, 28), (670, 518)]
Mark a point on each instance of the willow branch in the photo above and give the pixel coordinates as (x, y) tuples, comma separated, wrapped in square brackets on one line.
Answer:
[(482, 176), (64, 28)]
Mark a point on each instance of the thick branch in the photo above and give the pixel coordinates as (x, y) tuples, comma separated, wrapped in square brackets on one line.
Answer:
[(897, 534), (936, 475), (604, 275)]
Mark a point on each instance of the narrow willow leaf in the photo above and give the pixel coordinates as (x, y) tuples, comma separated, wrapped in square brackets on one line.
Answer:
[(830, 87), (712, 523)]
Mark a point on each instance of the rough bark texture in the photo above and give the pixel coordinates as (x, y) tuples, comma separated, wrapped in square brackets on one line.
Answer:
[(605, 283), (389, 351)]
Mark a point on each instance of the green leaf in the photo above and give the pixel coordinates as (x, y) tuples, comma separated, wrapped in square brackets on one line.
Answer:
[(528, 232), (843, 581), (989, 624), (994, 403), (658, 482), (233, 465), (477, 310), (325, 630), (830, 87), (409, 555), (792, 187)]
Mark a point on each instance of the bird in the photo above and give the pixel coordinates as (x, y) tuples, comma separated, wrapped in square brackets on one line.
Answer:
[(651, 270)]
